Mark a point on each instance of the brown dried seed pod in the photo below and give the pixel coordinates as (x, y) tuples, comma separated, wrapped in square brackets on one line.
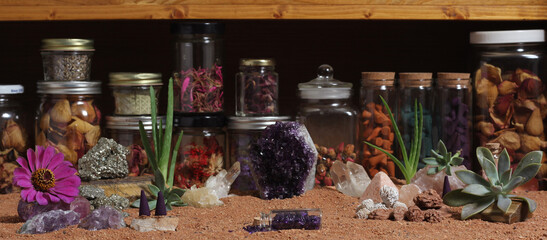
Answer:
[(93, 136), (509, 140), (61, 112), (487, 92), (531, 143), (13, 137), (80, 125), (507, 87), (534, 126), (84, 110), (75, 139), (486, 128), (44, 121)]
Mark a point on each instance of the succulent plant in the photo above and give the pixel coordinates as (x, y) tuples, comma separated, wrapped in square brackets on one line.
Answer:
[(442, 160), (497, 188)]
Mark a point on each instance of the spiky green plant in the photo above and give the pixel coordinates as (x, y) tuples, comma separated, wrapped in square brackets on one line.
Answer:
[(497, 188), (410, 164), (442, 159), (161, 154)]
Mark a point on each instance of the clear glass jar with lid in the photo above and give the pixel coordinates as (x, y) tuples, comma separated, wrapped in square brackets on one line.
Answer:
[(509, 91), (198, 70), (242, 132), (375, 126), (67, 59), (256, 88), (125, 131), (202, 148), (131, 92), (417, 87), (331, 120), (68, 118), (454, 105), (15, 124)]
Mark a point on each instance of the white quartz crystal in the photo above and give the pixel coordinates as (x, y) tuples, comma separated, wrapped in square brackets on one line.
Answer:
[(349, 178)]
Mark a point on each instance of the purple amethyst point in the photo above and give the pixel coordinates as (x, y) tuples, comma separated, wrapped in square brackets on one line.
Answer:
[(161, 210), (446, 188), (144, 209)]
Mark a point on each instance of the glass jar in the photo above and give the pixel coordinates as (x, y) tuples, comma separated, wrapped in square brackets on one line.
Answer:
[(198, 76), (125, 131), (509, 91), (256, 88), (375, 126), (242, 132), (68, 118), (417, 87), (14, 127), (131, 92), (454, 101), (66, 59), (201, 152), (331, 120)]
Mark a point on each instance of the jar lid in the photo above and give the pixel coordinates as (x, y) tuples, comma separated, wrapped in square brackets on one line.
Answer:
[(415, 79), (12, 89), (325, 86), (197, 28), (263, 62), (378, 78), (254, 123), (134, 79), (512, 36), (61, 44), (132, 122), (69, 87), (201, 120), (453, 80)]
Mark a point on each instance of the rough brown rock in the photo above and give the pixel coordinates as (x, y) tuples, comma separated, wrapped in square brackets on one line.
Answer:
[(399, 213), (429, 199), (380, 214), (414, 214), (433, 216)]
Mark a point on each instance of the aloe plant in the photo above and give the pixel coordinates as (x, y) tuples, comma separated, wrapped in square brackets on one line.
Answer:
[(442, 160), (160, 155), (497, 188), (409, 166)]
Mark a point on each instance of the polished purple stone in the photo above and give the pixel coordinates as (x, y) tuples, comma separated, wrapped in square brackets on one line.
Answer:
[(104, 217), (50, 221), (298, 220), (81, 205), (28, 210)]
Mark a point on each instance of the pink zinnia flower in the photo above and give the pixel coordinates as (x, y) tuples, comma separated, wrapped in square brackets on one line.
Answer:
[(46, 177)]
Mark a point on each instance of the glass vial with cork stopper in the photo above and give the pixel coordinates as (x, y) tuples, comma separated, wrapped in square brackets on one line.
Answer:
[(256, 88), (374, 123)]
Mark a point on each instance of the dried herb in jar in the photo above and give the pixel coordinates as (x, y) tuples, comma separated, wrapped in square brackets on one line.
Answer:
[(66, 67), (200, 162), (257, 88), (377, 129), (200, 90), (327, 156), (456, 128)]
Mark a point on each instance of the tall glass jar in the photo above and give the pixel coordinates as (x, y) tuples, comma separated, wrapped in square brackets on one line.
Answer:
[(256, 88), (375, 126), (242, 132), (125, 131), (454, 102), (202, 149), (509, 87), (68, 118), (331, 120), (131, 92), (14, 128), (198, 75), (66, 59), (417, 87)]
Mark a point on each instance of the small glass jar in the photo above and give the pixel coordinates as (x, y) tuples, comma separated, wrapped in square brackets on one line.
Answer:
[(375, 126), (67, 59), (417, 87), (125, 131), (202, 148), (330, 118), (510, 91), (198, 76), (283, 219), (256, 88), (131, 92), (242, 132), (68, 118), (454, 102), (14, 129)]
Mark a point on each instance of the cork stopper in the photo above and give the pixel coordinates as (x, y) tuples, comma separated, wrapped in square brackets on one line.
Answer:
[(453, 80), (416, 79), (378, 78), (452, 75)]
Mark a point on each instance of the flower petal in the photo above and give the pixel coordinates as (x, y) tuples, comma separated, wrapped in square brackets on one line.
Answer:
[(25, 193), (40, 198), (63, 172), (69, 181), (63, 165), (21, 172), (56, 160), (67, 191), (64, 198), (23, 163), (31, 156), (46, 157), (51, 197), (31, 197), (24, 183)]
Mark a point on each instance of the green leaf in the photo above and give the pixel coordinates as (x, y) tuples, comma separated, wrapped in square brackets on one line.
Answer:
[(435, 154), (147, 147), (457, 198), (154, 190), (530, 158), (432, 171), (504, 162), (505, 177), (174, 160), (485, 154), (152, 204), (164, 162), (442, 149), (136, 203), (532, 205), (430, 161), (154, 115), (168, 206), (178, 191), (513, 183), (179, 204), (448, 170), (397, 133), (173, 198), (527, 172), (476, 189), (477, 207), (490, 170), (159, 180), (469, 177), (456, 161), (418, 138), (504, 203)]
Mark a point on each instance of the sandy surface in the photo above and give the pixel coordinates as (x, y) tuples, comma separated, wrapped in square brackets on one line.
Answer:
[(226, 222)]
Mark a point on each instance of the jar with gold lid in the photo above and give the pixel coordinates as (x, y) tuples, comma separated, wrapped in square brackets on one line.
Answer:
[(256, 88), (67, 59), (131, 92)]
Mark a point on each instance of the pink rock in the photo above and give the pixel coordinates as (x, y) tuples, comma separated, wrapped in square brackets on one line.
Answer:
[(373, 190), (407, 194), (436, 181), (81, 206)]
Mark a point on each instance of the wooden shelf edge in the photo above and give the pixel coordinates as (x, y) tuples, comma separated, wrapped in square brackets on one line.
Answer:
[(227, 11)]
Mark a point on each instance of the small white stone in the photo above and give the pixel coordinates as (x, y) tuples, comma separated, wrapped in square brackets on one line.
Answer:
[(155, 224), (378, 206), (362, 213), (389, 195), (368, 204), (400, 205)]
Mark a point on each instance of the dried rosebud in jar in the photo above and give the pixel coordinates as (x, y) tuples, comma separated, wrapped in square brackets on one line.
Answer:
[(257, 89)]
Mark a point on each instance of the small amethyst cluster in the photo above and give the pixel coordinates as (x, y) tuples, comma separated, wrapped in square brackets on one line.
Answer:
[(296, 220), (282, 160)]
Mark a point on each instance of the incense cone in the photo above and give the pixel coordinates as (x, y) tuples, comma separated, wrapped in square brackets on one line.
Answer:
[(144, 209), (161, 210)]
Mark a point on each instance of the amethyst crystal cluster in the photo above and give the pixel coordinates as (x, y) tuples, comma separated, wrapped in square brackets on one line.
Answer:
[(296, 220), (283, 161)]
